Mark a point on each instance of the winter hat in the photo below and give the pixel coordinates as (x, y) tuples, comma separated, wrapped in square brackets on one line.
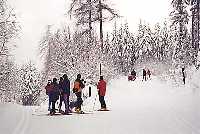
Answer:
[(78, 76), (54, 80), (65, 76)]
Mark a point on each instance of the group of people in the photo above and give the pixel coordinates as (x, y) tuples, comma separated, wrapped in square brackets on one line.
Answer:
[(58, 90), (132, 77), (61, 91), (145, 73)]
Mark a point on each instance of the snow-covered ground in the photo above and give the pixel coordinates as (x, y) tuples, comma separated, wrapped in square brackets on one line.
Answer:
[(150, 107)]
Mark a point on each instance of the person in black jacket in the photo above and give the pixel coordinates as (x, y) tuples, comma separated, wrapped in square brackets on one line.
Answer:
[(61, 94), (133, 73), (144, 75), (65, 86), (183, 73)]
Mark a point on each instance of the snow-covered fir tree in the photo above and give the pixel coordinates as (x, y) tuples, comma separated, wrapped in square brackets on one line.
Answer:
[(9, 29), (30, 81), (182, 42)]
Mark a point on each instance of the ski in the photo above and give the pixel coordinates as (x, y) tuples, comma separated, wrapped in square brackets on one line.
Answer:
[(103, 110)]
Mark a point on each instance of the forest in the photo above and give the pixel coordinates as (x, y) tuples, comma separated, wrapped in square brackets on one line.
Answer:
[(163, 48)]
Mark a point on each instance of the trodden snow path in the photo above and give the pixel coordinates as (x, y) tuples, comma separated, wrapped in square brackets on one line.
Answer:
[(156, 108), (137, 107)]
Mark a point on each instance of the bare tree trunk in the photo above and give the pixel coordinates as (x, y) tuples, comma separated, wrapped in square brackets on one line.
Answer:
[(193, 27), (180, 23), (198, 21), (101, 24), (90, 27), (90, 20)]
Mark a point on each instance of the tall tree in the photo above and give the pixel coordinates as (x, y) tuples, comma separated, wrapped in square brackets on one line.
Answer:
[(180, 19), (102, 6), (9, 28), (195, 28), (8, 25), (84, 12), (89, 11)]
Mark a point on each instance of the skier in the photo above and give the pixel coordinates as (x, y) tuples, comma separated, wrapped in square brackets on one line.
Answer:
[(102, 91), (133, 73), (65, 87), (78, 86), (183, 73), (54, 95), (48, 88), (149, 73), (61, 94), (144, 75)]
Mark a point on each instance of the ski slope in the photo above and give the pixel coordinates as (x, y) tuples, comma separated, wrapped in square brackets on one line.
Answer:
[(150, 107)]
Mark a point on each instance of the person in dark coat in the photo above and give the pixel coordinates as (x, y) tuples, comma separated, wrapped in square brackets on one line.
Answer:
[(54, 95), (133, 73), (65, 86), (61, 94), (144, 75), (149, 73), (78, 86), (101, 86), (183, 73)]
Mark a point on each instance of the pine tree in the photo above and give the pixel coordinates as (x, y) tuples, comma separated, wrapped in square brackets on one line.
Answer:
[(195, 29), (180, 20), (91, 11), (9, 29), (9, 26), (30, 84)]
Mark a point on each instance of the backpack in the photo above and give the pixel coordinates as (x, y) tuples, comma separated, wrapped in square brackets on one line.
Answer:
[(56, 91)]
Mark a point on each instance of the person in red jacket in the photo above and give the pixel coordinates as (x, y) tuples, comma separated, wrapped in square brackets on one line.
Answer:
[(49, 88), (102, 91)]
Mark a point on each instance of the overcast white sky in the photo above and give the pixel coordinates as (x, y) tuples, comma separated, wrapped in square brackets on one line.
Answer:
[(34, 15)]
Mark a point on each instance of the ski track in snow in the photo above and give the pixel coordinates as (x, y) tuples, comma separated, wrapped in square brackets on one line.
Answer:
[(177, 120), (22, 126)]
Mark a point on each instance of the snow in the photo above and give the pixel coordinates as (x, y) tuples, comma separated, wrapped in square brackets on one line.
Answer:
[(137, 107)]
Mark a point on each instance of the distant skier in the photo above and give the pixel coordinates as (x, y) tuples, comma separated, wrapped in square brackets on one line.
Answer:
[(54, 95), (132, 77), (65, 87), (61, 94), (144, 75), (102, 91), (149, 73), (78, 86), (183, 73), (48, 88), (133, 73)]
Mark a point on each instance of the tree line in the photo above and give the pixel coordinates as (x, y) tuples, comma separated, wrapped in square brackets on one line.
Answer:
[(83, 49)]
